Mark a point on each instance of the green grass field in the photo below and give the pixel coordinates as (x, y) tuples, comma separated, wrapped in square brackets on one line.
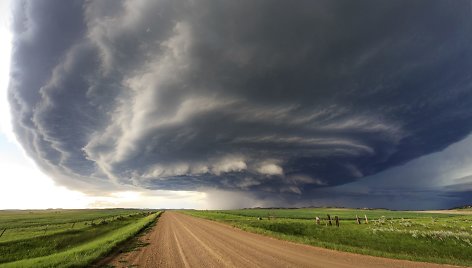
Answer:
[(428, 237), (66, 238)]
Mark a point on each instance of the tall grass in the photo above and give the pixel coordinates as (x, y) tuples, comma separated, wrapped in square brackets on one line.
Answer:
[(74, 248)]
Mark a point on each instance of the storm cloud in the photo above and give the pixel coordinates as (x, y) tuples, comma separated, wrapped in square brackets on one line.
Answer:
[(269, 97)]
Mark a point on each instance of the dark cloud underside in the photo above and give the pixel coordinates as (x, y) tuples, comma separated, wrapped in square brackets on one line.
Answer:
[(266, 96)]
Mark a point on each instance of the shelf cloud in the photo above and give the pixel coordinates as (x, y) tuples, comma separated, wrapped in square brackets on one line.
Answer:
[(264, 97)]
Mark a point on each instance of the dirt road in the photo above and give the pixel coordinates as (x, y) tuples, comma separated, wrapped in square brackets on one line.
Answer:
[(183, 241)]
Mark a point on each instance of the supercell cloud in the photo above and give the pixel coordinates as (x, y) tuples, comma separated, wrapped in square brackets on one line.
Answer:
[(274, 97)]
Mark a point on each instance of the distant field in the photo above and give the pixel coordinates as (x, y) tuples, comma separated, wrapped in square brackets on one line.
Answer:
[(429, 237), (344, 214), (65, 238)]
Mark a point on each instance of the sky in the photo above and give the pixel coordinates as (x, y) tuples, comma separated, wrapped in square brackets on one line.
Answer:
[(25, 186), (228, 104)]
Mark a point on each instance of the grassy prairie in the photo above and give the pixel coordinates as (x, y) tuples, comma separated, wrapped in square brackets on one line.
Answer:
[(345, 214), (26, 224), (66, 238), (429, 237)]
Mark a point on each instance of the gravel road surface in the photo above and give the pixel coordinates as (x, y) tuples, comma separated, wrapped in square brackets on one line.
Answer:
[(179, 240)]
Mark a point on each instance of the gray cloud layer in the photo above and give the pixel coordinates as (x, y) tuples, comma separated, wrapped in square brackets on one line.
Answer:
[(263, 96)]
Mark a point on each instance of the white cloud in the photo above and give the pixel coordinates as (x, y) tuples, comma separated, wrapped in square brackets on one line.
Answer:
[(270, 169), (229, 164), (5, 48)]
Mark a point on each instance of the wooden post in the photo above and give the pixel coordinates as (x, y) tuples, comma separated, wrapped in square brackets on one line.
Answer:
[(358, 220), (337, 220), (3, 232), (72, 227), (366, 220), (317, 220), (329, 220)]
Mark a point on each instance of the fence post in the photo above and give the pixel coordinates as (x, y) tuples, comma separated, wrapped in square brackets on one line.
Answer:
[(337, 220), (329, 220), (317, 220), (366, 220), (358, 220)]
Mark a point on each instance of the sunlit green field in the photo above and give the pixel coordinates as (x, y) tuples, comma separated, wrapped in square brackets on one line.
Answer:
[(429, 237), (65, 238)]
